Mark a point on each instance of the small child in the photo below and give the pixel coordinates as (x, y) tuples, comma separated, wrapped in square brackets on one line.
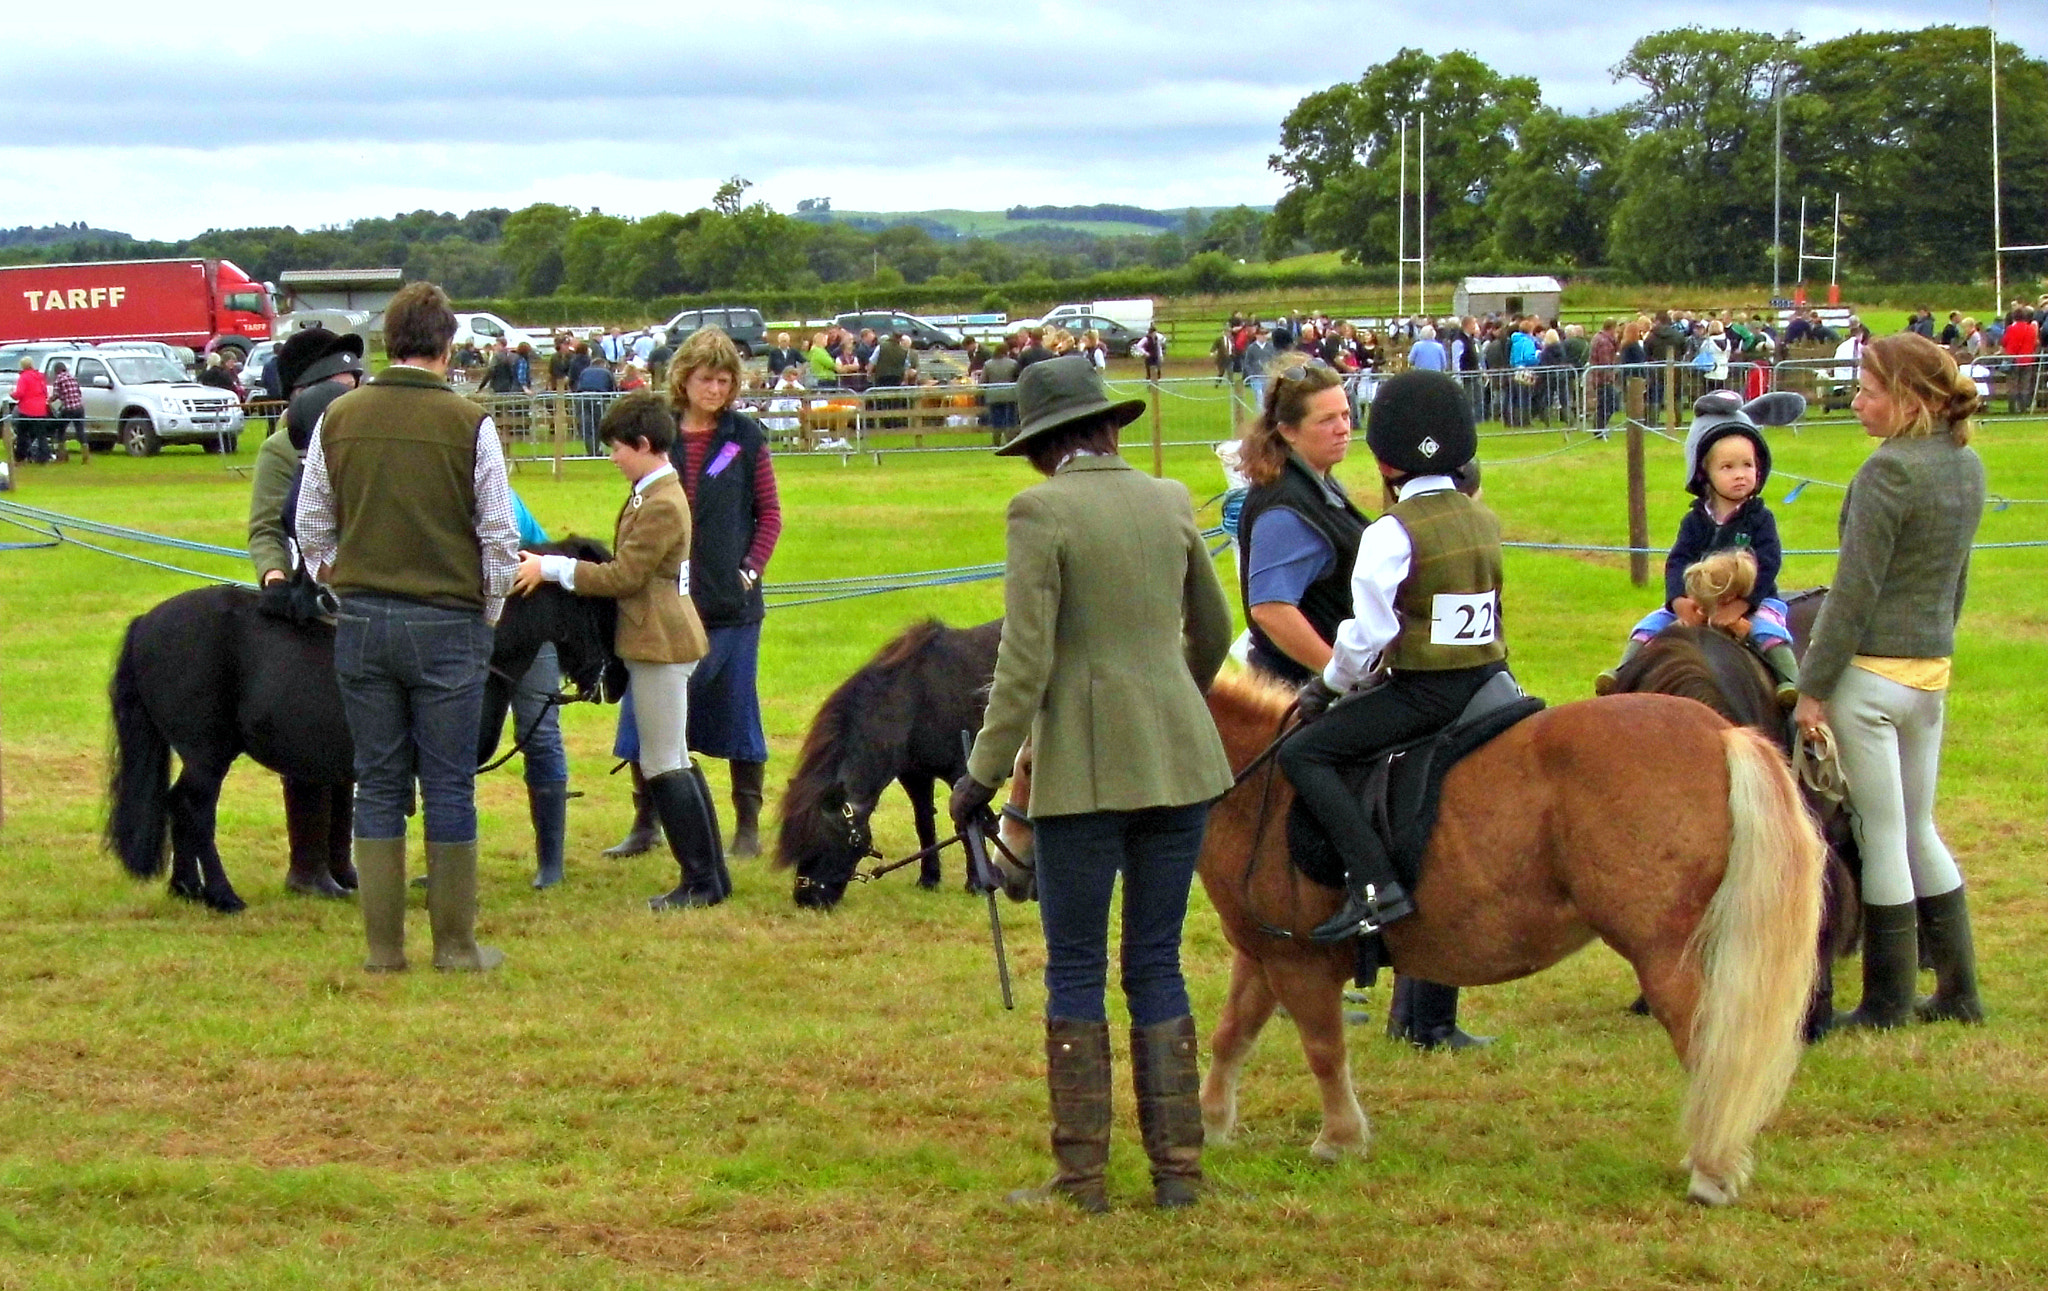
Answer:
[(1727, 464)]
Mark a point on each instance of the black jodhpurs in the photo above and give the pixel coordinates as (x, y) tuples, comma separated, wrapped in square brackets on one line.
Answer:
[(1407, 707)]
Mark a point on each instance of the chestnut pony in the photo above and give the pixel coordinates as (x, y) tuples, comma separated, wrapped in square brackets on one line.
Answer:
[(1646, 821)]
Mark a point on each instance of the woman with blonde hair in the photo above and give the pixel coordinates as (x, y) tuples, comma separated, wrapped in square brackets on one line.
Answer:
[(1878, 665), (722, 456)]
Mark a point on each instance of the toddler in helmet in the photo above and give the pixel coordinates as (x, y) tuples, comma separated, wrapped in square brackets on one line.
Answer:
[(1727, 464)]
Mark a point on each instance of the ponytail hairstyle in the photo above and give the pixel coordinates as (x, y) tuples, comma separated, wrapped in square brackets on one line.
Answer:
[(1263, 451), (1924, 383)]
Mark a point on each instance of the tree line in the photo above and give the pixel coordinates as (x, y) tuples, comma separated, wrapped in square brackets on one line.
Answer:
[(1676, 186)]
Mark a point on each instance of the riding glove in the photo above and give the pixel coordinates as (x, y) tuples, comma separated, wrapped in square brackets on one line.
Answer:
[(970, 799), (1314, 696)]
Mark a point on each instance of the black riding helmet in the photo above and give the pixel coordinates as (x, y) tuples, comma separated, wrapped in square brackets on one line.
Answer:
[(314, 354), (1420, 424)]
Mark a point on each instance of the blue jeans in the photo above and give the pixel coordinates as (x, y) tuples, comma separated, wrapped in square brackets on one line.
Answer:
[(546, 763), (412, 687), (1079, 858)]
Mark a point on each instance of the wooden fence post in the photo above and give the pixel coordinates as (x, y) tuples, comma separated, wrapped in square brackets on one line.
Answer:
[(555, 405), (1638, 508), (1158, 436)]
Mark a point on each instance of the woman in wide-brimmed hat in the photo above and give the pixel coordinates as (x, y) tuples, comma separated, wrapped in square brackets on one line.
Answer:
[(1114, 626)]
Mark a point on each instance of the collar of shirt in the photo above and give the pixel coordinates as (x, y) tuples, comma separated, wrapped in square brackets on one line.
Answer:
[(1418, 484), (646, 481)]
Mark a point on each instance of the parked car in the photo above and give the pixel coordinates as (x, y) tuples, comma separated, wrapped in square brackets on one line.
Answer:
[(923, 335), (252, 371), (143, 401), (482, 330), (1116, 338), (743, 323)]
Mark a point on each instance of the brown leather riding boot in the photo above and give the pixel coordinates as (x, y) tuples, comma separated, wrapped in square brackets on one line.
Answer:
[(747, 781), (1169, 1084), (1077, 1074)]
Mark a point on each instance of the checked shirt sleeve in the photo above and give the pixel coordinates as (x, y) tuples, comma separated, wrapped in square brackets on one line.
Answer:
[(497, 532)]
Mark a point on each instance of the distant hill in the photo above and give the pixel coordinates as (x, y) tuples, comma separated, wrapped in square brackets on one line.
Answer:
[(58, 235), (1098, 220)]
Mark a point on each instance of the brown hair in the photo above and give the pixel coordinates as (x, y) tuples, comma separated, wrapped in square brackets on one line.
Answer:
[(1096, 435), (1264, 450), (418, 324), (707, 348), (1922, 377), (639, 415), (1722, 576)]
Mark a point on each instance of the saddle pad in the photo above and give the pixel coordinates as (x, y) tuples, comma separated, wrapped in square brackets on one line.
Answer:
[(1405, 812)]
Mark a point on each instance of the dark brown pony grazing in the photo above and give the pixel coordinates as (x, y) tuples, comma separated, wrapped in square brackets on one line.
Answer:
[(899, 718), (1645, 821)]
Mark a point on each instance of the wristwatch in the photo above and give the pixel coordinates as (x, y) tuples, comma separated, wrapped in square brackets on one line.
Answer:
[(748, 578)]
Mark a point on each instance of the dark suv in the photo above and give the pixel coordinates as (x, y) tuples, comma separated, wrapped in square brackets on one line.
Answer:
[(746, 327), (923, 335)]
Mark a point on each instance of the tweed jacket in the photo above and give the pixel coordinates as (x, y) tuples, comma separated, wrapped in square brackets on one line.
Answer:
[(650, 546), (1114, 624), (1907, 524)]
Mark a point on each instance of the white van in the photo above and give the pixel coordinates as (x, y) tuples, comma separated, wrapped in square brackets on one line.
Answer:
[(1134, 314), (487, 329)]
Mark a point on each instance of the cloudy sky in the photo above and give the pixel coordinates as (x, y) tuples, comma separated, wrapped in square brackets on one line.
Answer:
[(311, 115)]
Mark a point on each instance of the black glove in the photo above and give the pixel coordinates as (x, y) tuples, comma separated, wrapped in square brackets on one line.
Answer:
[(969, 801), (1313, 698)]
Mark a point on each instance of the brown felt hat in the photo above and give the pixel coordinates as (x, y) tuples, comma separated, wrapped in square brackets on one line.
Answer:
[(1054, 393)]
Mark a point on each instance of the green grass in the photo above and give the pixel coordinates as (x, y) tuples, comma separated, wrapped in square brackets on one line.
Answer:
[(757, 1096)]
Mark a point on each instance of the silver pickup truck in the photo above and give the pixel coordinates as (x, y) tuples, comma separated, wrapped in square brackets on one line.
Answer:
[(140, 400)]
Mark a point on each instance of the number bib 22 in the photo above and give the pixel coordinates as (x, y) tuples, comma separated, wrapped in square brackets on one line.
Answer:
[(1464, 618)]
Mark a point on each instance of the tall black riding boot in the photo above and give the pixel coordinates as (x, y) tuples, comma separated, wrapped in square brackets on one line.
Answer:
[(1891, 957), (686, 817), (1168, 1083), (1425, 1014), (548, 806), (719, 873), (747, 781), (1373, 896), (1946, 921), (1077, 1076), (640, 838)]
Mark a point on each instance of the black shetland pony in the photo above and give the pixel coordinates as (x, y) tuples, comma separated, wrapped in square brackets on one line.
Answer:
[(1727, 676), (207, 676), (899, 718)]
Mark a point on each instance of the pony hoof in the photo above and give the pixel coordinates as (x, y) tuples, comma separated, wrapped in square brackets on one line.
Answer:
[(928, 883), (1218, 1133), (187, 892), (229, 903), (1332, 1153), (1705, 1191)]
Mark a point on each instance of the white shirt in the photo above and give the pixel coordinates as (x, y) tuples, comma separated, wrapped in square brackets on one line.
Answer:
[(1384, 556), (562, 569)]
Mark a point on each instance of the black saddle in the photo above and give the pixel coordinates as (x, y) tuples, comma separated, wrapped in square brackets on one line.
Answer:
[(1403, 786)]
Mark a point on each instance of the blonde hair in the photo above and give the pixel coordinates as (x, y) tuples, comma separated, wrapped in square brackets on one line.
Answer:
[(1722, 576), (1924, 384), (1263, 451), (707, 349)]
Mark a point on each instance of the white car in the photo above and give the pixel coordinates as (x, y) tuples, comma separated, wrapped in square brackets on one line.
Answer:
[(143, 401), (485, 330)]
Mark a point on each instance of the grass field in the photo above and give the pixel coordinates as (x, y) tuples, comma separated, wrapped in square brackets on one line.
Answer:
[(755, 1096)]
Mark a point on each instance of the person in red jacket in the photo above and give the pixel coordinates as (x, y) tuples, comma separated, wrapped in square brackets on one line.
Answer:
[(31, 415), (2023, 343)]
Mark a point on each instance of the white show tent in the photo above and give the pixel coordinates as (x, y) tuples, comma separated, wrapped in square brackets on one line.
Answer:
[(1531, 295)]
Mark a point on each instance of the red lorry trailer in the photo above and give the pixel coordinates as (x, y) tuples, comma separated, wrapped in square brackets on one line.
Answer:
[(197, 303)]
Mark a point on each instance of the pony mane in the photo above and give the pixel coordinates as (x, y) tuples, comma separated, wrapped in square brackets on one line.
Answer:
[(575, 545), (1704, 665), (826, 744)]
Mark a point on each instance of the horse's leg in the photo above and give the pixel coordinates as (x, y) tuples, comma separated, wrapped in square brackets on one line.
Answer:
[(1245, 1011), (1313, 994), (919, 787), (341, 814), (308, 828), (195, 799)]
